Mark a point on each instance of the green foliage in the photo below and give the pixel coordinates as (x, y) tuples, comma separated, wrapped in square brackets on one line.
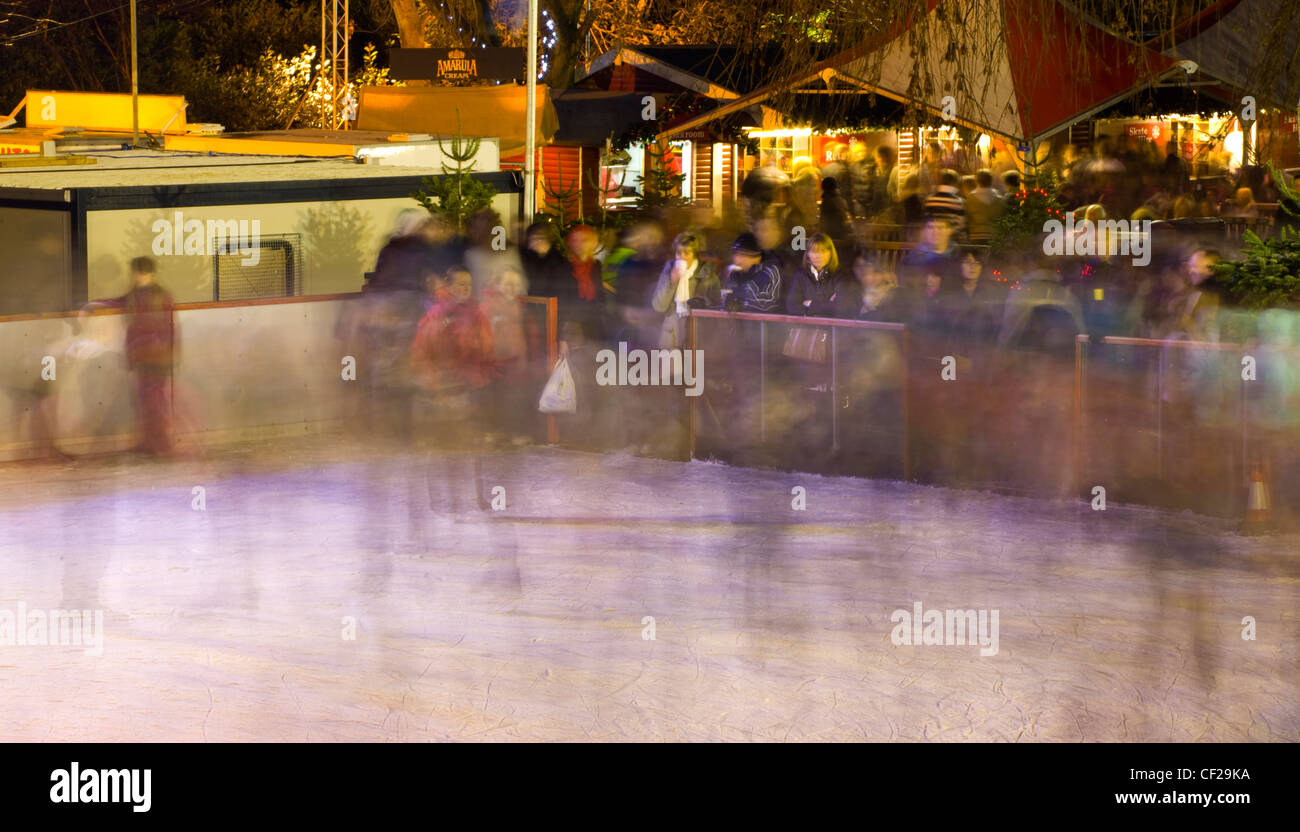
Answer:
[(456, 194), (1024, 214), (1267, 276), (660, 188), (1287, 192)]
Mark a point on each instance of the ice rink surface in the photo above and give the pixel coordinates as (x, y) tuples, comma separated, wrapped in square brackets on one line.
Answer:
[(320, 590)]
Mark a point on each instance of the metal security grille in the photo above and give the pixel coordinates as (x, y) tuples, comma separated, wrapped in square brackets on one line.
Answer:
[(276, 274)]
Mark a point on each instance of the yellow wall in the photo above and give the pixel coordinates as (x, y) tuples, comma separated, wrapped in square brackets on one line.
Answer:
[(338, 241)]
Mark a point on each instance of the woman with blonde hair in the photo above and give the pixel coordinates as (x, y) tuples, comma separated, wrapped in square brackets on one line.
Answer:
[(818, 283)]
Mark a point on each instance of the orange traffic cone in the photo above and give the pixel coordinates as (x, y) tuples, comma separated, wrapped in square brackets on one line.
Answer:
[(1259, 503)]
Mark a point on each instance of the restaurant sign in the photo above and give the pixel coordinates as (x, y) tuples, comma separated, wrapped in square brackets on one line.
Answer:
[(477, 64)]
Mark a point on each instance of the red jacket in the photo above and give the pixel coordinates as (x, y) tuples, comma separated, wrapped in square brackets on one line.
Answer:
[(151, 331), (453, 347)]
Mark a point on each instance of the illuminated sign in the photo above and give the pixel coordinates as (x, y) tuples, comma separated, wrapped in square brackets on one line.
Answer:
[(104, 111), (1148, 130), (476, 64)]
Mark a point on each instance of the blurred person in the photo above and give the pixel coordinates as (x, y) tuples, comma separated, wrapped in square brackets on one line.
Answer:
[(151, 352), (1242, 205), (763, 185), (420, 245), (453, 348), (454, 361), (1196, 302), (1185, 207), (911, 206), (685, 282), (804, 188), (935, 254), (30, 391), (752, 280), (1011, 182), (931, 166), (487, 253), (1043, 316), (817, 285), (835, 219), (1174, 172), (975, 311), (382, 323), (543, 263), (983, 207), (838, 169), (774, 242), (946, 201), (862, 174), (884, 190), (879, 297), (635, 320), (509, 393), (582, 296), (930, 314)]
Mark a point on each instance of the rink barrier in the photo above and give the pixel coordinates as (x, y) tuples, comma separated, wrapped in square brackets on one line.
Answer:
[(1250, 449), (551, 306), (834, 325), (1252, 440), (269, 381)]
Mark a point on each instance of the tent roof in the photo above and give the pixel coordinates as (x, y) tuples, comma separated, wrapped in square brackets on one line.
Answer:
[(1021, 69), (495, 111), (587, 117), (1229, 40)]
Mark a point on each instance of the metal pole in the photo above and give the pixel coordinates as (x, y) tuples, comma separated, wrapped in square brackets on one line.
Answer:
[(324, 105), (530, 119), (1076, 445), (762, 381), (135, 84), (692, 336), (1160, 414), (1245, 422), (906, 404), (835, 398)]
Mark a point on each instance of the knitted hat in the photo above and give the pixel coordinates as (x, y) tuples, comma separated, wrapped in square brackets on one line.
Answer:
[(746, 243)]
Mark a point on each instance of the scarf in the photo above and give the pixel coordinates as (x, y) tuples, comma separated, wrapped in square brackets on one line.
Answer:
[(684, 289), (585, 272)]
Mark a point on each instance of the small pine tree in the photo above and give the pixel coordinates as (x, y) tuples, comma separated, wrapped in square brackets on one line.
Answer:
[(456, 194), (659, 186), (607, 190), (561, 201)]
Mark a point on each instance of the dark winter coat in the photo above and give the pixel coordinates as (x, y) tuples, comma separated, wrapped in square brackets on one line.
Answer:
[(823, 288)]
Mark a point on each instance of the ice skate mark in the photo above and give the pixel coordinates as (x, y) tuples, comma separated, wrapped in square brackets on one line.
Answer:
[(211, 704)]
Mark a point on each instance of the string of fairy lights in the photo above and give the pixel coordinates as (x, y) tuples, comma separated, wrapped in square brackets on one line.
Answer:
[(547, 39)]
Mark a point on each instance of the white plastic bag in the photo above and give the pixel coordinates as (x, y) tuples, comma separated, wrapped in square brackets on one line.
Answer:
[(559, 395)]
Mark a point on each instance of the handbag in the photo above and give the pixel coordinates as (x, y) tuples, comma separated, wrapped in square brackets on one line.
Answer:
[(807, 343)]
